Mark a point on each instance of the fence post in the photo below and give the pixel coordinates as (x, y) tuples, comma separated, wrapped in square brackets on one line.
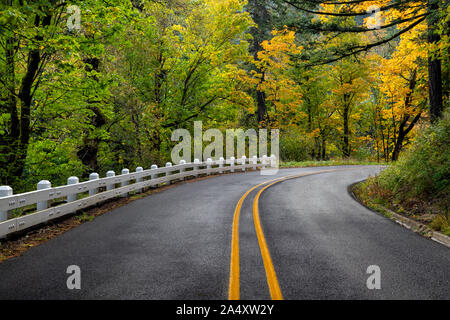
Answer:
[(182, 162), (221, 161), (93, 176), (139, 169), (125, 183), (196, 167), (43, 184), (232, 164), (70, 181), (110, 174), (273, 161), (244, 162), (125, 171), (168, 165), (264, 161), (153, 176), (5, 191), (209, 165), (255, 162)]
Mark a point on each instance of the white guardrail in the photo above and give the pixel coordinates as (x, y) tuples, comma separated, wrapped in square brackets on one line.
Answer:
[(107, 188)]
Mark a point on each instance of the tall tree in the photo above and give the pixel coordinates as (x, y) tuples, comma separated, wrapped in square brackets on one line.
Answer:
[(400, 16), (24, 31), (261, 32)]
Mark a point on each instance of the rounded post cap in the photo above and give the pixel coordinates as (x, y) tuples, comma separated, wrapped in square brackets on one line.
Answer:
[(125, 171), (196, 161), (154, 166), (182, 161), (168, 164), (110, 173), (72, 180), (44, 184), (94, 176), (6, 191), (139, 169)]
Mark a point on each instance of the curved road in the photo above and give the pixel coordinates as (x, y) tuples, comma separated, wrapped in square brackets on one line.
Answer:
[(176, 244)]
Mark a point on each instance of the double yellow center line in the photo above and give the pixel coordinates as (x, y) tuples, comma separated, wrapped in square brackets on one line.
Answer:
[(272, 281)]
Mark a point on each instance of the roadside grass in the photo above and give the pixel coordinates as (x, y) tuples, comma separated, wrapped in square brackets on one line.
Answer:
[(84, 217), (327, 163), (379, 199), (375, 203)]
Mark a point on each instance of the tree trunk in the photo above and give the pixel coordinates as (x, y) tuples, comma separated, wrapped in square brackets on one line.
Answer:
[(261, 16), (135, 118), (261, 102), (10, 142), (89, 150), (402, 133), (16, 144), (434, 65), (398, 144), (346, 138), (324, 149)]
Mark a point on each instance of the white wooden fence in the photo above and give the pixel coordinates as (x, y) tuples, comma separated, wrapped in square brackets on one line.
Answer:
[(103, 189)]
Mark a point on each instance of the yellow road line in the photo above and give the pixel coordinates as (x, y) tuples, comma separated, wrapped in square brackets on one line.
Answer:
[(234, 288), (272, 281), (271, 276), (234, 285)]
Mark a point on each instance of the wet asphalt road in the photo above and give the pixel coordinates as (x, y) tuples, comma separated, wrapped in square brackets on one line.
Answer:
[(176, 244)]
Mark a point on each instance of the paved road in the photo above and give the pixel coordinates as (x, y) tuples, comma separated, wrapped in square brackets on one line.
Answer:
[(176, 244)]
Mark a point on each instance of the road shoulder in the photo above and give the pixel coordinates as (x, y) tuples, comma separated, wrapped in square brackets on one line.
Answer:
[(406, 222)]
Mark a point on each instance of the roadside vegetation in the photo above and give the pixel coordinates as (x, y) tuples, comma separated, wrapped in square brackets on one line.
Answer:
[(326, 163), (417, 185)]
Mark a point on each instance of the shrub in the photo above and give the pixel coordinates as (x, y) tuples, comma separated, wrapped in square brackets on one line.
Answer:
[(422, 173)]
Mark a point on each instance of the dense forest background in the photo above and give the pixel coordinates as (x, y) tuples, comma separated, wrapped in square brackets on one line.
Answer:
[(107, 94)]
